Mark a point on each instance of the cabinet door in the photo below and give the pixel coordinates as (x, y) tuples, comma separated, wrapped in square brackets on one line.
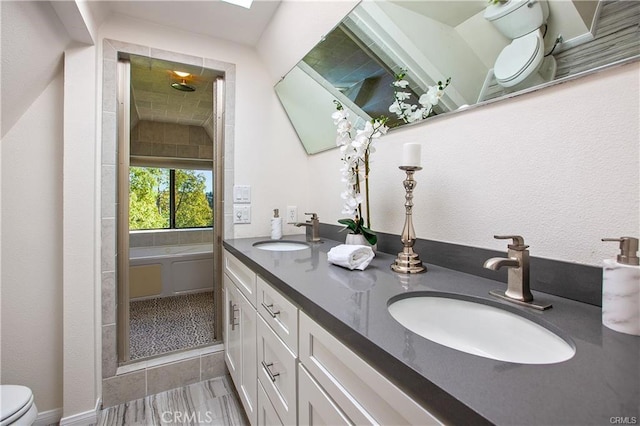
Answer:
[(231, 329), (240, 347), (277, 372), (315, 407), (267, 415)]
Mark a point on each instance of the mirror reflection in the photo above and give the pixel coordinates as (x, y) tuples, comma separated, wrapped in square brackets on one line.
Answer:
[(489, 50)]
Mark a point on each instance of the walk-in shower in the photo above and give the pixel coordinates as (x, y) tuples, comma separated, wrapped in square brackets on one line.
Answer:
[(167, 217)]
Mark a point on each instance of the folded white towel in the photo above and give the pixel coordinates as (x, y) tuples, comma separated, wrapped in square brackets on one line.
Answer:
[(351, 256)]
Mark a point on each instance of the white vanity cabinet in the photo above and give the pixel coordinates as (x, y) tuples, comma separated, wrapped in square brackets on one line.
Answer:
[(289, 370), (362, 394), (239, 335)]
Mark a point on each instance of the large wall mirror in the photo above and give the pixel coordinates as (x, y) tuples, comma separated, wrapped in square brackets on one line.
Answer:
[(467, 41)]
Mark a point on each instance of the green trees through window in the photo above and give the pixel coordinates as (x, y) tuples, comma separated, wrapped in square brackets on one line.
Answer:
[(161, 198)]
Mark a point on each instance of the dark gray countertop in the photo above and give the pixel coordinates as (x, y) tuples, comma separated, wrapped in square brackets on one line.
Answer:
[(599, 385)]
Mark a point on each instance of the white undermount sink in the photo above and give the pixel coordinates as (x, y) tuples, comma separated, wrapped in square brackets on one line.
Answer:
[(281, 245), (479, 328)]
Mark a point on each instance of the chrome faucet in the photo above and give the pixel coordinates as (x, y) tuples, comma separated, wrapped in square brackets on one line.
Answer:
[(313, 228), (517, 262)]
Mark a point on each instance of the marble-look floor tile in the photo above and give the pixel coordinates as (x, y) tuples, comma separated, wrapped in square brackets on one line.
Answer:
[(211, 402)]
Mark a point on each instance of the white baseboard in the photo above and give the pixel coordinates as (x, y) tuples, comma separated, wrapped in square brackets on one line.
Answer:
[(87, 418), (576, 41), (50, 417)]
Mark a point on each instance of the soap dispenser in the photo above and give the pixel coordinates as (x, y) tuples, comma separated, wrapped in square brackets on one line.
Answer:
[(276, 226), (621, 288)]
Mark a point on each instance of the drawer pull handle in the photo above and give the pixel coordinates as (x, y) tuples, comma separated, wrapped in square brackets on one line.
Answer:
[(271, 375), (269, 310), (232, 315)]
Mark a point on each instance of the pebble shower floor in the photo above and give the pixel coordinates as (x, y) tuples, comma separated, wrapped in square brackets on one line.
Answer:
[(167, 324)]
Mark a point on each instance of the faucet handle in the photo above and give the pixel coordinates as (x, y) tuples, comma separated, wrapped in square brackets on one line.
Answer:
[(518, 241), (314, 216)]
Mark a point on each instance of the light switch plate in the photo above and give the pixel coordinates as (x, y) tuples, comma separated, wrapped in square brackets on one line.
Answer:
[(241, 213), (242, 194)]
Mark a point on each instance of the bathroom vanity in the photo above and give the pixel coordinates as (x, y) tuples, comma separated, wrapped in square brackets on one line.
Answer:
[(308, 342)]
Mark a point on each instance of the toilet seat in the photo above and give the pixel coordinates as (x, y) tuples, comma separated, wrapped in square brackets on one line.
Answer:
[(519, 59), (16, 403)]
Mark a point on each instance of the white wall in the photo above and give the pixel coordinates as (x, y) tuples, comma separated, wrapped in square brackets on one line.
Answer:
[(32, 249), (559, 166), (80, 274)]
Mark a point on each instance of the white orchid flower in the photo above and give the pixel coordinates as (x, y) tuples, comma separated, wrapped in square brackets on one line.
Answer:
[(401, 83), (432, 96), (344, 126), (339, 115), (395, 108), (401, 96)]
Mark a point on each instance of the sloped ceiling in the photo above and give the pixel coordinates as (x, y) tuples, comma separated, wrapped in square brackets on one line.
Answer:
[(33, 27)]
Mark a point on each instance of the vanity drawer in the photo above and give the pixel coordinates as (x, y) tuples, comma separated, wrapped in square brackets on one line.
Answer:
[(277, 373), (243, 277), (353, 384), (279, 313)]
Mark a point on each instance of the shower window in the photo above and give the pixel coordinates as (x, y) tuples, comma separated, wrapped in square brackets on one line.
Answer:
[(170, 198)]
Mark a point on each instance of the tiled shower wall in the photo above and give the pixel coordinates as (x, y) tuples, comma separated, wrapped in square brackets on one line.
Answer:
[(170, 238), (170, 140), (132, 382)]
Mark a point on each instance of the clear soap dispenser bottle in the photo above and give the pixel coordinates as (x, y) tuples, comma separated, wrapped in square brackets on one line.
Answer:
[(621, 288)]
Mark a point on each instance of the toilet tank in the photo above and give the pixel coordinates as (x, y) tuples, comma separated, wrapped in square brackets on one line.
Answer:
[(516, 18)]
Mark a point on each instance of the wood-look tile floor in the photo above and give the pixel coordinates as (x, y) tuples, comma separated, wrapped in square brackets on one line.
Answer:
[(212, 402)]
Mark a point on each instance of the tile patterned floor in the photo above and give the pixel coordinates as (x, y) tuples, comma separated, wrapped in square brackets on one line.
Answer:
[(212, 402), (162, 325)]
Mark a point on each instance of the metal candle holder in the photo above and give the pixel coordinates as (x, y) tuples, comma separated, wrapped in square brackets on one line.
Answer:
[(408, 262)]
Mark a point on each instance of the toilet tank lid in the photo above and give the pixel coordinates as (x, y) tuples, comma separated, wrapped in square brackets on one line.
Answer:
[(495, 11), (13, 398)]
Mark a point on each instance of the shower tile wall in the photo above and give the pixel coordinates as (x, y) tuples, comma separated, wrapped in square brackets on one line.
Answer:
[(159, 139), (170, 238), (124, 384)]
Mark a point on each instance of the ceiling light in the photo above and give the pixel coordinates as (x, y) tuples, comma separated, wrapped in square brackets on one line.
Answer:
[(183, 87), (182, 74), (243, 3)]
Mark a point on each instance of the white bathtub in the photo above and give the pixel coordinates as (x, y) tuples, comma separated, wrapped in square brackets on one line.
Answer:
[(170, 270)]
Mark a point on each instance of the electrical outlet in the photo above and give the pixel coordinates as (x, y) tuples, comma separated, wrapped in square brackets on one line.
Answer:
[(292, 214)]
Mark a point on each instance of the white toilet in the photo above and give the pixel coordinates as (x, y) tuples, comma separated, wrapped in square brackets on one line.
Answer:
[(522, 63), (17, 406)]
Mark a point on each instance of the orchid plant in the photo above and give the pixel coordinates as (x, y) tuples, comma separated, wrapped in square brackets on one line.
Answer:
[(410, 112), (356, 147)]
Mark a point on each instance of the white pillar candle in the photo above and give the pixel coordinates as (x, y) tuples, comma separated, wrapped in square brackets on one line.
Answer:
[(411, 154)]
